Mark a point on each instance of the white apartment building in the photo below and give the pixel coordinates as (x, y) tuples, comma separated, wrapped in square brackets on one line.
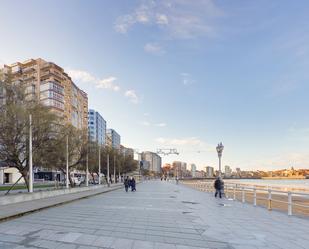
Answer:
[(155, 161)]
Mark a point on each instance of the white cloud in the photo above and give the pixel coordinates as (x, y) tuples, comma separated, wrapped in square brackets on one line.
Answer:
[(162, 19), (186, 79), (145, 123), (132, 96), (86, 77), (146, 114), (154, 48), (161, 124), (108, 83), (179, 19)]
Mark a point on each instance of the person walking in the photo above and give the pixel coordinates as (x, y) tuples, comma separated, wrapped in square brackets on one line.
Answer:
[(219, 184), (133, 184), (126, 184)]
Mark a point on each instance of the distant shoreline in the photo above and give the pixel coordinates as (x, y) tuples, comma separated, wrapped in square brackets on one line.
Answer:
[(284, 178)]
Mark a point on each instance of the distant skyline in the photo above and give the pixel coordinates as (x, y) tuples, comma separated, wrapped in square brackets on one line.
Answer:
[(180, 73)]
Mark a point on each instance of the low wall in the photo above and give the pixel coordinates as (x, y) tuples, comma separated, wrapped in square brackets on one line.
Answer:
[(11, 199)]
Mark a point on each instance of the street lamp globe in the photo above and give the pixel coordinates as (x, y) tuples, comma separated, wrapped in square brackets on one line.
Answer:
[(220, 148)]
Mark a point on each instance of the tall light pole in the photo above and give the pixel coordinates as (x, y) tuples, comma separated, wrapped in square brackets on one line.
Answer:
[(99, 181), (220, 148), (30, 156), (67, 164), (87, 168), (114, 168), (107, 170), (119, 175)]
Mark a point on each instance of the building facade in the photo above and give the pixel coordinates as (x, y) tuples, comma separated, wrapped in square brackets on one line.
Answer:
[(96, 127), (193, 169), (227, 171), (127, 152), (155, 161), (210, 171), (176, 166), (113, 139), (145, 164), (53, 87)]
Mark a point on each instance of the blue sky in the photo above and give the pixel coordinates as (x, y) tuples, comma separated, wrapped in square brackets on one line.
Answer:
[(181, 74)]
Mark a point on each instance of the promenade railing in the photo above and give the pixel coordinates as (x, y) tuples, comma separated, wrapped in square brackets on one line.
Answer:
[(292, 202)]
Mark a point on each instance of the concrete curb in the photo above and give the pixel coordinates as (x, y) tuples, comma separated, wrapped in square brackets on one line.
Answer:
[(22, 213)]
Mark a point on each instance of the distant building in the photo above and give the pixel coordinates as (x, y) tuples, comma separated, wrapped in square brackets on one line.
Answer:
[(176, 166), (193, 169), (127, 152), (238, 172), (112, 138), (183, 169), (227, 171), (200, 174), (209, 171), (155, 161), (96, 127), (145, 164)]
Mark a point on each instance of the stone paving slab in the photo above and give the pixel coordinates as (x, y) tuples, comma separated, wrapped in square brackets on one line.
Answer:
[(159, 215), (22, 208)]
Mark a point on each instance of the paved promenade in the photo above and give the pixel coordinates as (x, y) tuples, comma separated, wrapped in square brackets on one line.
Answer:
[(21, 208), (159, 215)]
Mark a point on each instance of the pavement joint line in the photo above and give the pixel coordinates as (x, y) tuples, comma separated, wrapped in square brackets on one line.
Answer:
[(23, 213)]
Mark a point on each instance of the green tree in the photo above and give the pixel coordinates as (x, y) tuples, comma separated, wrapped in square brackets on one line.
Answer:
[(77, 149), (15, 107)]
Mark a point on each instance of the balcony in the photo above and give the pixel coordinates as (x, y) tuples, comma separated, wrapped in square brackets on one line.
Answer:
[(29, 77), (28, 69)]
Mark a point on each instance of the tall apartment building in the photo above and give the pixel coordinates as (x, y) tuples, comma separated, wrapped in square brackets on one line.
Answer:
[(113, 138), (227, 171), (48, 83), (96, 127), (193, 169), (155, 161), (210, 171), (177, 168)]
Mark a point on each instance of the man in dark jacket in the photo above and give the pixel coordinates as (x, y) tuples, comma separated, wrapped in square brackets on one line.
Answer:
[(219, 184), (126, 184)]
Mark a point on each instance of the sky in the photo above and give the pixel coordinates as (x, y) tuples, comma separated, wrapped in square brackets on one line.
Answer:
[(181, 74)]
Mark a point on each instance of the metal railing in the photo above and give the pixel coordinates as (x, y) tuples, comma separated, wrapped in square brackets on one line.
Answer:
[(259, 195)]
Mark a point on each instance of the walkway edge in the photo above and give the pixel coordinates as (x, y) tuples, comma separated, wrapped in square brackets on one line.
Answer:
[(56, 203)]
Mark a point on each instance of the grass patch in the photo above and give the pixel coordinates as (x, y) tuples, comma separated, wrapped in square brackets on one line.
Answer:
[(5, 188)]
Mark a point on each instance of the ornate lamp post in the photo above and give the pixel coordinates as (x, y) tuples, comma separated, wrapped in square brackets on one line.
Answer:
[(220, 148)]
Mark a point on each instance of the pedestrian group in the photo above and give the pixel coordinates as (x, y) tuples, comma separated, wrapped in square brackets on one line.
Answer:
[(130, 183)]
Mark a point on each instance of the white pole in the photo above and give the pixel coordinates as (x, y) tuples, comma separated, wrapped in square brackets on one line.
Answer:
[(119, 177), (87, 169), (254, 196), (30, 156), (234, 194), (99, 165), (107, 170), (269, 199), (114, 169), (289, 203), (219, 165), (67, 165)]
